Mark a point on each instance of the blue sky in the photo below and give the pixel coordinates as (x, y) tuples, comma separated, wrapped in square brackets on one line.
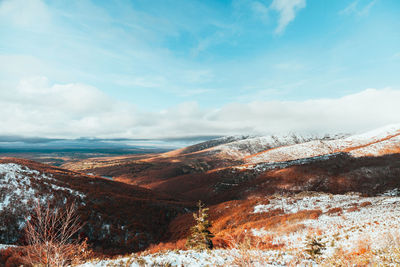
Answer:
[(191, 61)]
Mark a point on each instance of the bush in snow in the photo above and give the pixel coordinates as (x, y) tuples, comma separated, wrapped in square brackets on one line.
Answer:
[(51, 237), (314, 247)]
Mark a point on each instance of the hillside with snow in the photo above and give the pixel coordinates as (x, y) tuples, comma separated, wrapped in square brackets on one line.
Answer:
[(374, 143), (222, 169), (350, 227), (109, 209), (275, 191), (21, 188)]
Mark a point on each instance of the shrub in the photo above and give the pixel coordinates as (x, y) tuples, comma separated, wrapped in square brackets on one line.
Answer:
[(366, 203), (50, 237), (314, 246), (335, 210)]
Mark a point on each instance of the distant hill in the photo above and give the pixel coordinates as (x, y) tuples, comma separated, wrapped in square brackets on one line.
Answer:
[(146, 199), (213, 170)]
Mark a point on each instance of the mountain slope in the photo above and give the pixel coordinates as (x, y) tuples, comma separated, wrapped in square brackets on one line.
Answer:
[(233, 176), (374, 143), (224, 169), (118, 217)]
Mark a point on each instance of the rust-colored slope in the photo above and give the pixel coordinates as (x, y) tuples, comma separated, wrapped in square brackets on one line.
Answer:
[(371, 143), (368, 147), (119, 217), (196, 173)]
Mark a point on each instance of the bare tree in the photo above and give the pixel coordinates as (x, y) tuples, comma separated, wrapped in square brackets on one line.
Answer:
[(50, 236)]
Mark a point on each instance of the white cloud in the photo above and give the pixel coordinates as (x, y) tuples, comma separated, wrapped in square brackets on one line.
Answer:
[(359, 9), (38, 108), (25, 13), (287, 11), (260, 10), (352, 7)]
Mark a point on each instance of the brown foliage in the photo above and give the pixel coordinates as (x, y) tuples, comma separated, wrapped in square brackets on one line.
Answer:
[(335, 210), (365, 204), (137, 217), (166, 246), (247, 249), (12, 257), (51, 237), (352, 209)]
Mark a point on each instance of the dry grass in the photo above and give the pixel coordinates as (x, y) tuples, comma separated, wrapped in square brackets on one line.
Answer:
[(335, 210), (365, 204), (248, 250)]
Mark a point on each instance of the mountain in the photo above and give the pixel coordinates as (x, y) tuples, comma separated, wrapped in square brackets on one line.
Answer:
[(378, 142), (119, 217), (228, 168), (147, 199)]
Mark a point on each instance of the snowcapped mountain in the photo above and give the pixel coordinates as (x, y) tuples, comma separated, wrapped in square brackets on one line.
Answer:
[(251, 145), (378, 142), (150, 197), (242, 146), (280, 148), (216, 168)]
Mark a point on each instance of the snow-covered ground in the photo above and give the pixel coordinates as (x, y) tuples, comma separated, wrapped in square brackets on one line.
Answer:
[(20, 189), (286, 148), (377, 134), (16, 185), (190, 258), (252, 145), (347, 222), (5, 246), (373, 143)]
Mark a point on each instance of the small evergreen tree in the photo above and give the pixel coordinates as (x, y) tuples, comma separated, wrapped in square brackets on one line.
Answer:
[(314, 247), (200, 237)]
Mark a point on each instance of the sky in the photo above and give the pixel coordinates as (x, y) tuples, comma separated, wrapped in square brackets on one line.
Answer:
[(182, 69)]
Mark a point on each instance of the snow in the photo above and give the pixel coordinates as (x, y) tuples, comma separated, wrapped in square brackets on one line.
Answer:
[(375, 222), (265, 166), (2, 247), (190, 258), (373, 143), (247, 146), (392, 193), (16, 185), (378, 148), (376, 134), (319, 201), (347, 223)]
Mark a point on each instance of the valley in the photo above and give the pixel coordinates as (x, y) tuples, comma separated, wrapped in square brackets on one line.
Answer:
[(272, 191)]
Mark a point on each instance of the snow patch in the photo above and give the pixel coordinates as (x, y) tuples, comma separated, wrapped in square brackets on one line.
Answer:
[(16, 185), (2, 246), (347, 221), (190, 258)]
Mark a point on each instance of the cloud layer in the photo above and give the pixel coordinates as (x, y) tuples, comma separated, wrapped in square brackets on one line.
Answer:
[(287, 11), (38, 108)]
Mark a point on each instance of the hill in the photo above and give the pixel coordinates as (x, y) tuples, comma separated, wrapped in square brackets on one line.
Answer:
[(230, 168), (118, 217), (259, 187)]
